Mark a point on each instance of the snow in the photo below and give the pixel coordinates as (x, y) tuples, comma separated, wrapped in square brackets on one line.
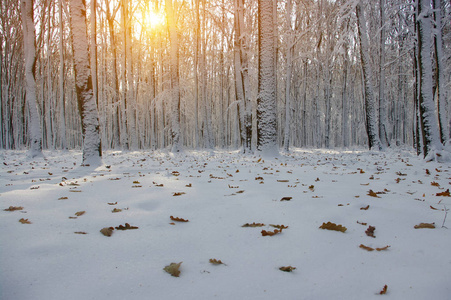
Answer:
[(47, 260)]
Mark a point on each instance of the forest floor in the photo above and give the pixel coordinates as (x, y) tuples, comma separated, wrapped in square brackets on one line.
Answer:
[(52, 211)]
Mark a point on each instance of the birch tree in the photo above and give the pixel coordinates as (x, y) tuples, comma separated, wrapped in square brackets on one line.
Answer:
[(428, 119), (174, 71), (29, 32), (267, 142), (370, 104), (92, 149)]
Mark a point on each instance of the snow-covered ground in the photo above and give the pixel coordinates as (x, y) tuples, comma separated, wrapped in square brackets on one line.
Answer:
[(218, 192)]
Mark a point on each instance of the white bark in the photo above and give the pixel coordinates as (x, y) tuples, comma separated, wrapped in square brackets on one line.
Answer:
[(175, 87), (29, 39), (370, 104), (290, 45), (428, 119), (92, 150), (267, 142)]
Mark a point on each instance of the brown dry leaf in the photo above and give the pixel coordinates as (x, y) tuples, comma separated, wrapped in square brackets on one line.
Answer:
[(279, 226), (424, 225), (259, 178), (63, 198), (400, 174), (253, 225), (136, 182), (283, 180), (433, 183), (372, 194), (370, 231), (383, 248), (175, 173), (433, 207), (286, 198), (366, 247), (384, 290), (361, 223), (173, 269), (80, 213), (271, 233), (312, 187), (13, 208), (287, 269), (172, 223), (215, 261), (189, 185), (116, 210), (178, 219), (333, 226), (428, 172), (444, 194), (362, 172), (365, 208), (240, 192), (126, 227), (24, 221), (107, 231), (178, 193), (80, 232)]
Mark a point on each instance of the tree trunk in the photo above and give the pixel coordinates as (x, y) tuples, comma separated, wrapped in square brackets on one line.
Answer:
[(290, 46), (92, 149), (428, 119), (370, 105), (267, 142), (383, 120), (174, 70), (34, 126)]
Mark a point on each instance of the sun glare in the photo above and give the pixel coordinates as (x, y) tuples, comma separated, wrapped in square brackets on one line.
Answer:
[(153, 19)]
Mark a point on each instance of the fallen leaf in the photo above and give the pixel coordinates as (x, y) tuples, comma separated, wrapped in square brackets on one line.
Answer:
[(444, 194), (372, 194), (366, 247), (383, 248), (253, 225), (126, 227), (107, 231), (279, 226), (312, 187), (370, 231), (286, 198), (173, 269), (116, 210), (136, 182), (365, 208), (13, 208), (188, 185), (112, 203), (178, 193), (433, 183), (271, 233), (433, 207), (63, 198), (361, 223), (24, 221), (258, 178), (80, 213), (333, 226), (424, 225), (283, 180), (178, 219), (216, 262), (287, 269), (80, 232), (384, 290)]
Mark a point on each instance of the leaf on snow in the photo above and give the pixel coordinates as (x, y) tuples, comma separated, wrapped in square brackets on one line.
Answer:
[(80, 213), (444, 194), (433, 183), (215, 261), (80, 232), (24, 221), (112, 203), (361, 223), (384, 290), (178, 193), (287, 269), (372, 194), (116, 210), (372, 249), (63, 198), (253, 225), (271, 233), (126, 227), (286, 198), (173, 269), (283, 180), (107, 231), (13, 208), (279, 226), (178, 219), (370, 231), (365, 208), (333, 226), (424, 225)]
